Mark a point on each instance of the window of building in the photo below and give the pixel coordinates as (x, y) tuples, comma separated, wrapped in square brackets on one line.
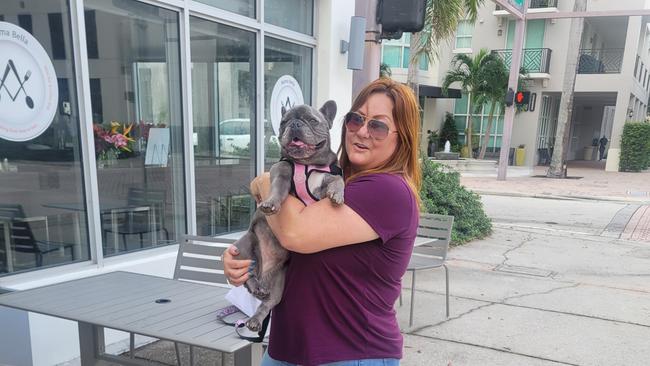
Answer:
[(396, 53), (138, 131), (242, 7), (479, 123), (42, 200), (297, 15), (223, 108), (283, 58), (464, 34)]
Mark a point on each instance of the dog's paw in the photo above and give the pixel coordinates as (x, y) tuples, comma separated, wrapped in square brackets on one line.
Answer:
[(254, 324), (261, 293), (336, 196), (270, 207)]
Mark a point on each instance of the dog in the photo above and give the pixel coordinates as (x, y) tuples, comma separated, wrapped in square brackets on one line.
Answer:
[(308, 170)]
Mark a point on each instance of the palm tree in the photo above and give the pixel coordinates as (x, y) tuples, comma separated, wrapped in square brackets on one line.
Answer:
[(492, 91), (440, 23), (469, 72), (556, 169)]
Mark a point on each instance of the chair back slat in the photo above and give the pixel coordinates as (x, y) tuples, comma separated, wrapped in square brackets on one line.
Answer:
[(20, 232), (201, 263), (211, 278), (435, 227), (200, 259)]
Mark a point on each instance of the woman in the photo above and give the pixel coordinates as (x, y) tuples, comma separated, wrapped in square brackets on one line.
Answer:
[(347, 261)]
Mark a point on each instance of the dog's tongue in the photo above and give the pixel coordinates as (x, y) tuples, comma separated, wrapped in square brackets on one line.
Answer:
[(297, 143)]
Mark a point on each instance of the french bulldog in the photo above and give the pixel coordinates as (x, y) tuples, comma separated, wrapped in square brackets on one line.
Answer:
[(307, 170)]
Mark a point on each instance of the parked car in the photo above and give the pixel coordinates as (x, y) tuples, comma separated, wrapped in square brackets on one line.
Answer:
[(235, 135)]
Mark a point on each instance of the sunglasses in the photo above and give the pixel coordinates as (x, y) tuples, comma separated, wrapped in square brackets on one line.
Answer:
[(377, 129)]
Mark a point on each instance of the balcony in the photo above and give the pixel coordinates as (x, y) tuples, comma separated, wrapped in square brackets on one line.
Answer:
[(536, 61), (536, 6), (601, 61)]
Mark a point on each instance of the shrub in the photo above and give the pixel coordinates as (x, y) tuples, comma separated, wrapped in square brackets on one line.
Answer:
[(635, 147), (449, 132), (441, 193)]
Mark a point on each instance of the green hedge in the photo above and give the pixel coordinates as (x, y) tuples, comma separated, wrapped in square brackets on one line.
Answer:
[(635, 147), (442, 194)]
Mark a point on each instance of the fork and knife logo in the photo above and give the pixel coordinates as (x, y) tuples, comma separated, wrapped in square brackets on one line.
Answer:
[(10, 71)]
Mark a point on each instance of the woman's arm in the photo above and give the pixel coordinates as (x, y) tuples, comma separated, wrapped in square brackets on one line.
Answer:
[(313, 228)]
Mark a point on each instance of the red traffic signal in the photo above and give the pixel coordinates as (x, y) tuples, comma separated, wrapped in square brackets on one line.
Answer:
[(522, 98)]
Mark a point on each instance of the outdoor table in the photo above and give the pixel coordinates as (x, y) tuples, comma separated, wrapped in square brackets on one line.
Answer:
[(162, 308)]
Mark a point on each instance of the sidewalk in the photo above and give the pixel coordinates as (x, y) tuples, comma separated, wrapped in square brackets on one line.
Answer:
[(587, 180)]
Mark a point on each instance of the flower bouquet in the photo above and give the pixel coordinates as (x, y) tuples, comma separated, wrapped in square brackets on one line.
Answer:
[(112, 141)]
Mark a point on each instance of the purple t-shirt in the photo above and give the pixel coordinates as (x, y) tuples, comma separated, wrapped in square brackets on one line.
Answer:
[(338, 304)]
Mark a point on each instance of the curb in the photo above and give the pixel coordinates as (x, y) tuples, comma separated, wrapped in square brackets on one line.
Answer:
[(558, 197)]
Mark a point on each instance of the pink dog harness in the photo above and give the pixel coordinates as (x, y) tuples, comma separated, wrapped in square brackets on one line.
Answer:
[(300, 181)]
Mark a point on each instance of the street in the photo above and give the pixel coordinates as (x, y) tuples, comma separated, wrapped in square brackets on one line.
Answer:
[(553, 285)]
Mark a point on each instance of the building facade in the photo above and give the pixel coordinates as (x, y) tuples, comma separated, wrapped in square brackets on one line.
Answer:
[(162, 111), (612, 85)]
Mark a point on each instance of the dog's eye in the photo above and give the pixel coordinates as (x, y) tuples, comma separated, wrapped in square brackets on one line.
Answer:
[(313, 122)]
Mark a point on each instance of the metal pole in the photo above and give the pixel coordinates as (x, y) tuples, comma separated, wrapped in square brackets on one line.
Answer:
[(509, 118), (372, 49)]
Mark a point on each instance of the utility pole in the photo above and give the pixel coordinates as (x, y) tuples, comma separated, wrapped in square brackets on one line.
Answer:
[(372, 49), (513, 81)]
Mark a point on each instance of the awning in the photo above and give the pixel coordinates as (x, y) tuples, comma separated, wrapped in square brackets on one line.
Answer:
[(430, 91)]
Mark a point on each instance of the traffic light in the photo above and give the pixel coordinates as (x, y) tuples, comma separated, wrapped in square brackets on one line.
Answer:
[(522, 98), (401, 15)]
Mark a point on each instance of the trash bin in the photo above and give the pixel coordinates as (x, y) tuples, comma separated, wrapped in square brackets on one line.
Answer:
[(589, 153), (520, 156)]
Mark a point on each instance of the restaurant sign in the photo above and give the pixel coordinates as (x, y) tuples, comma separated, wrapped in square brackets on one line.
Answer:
[(28, 86)]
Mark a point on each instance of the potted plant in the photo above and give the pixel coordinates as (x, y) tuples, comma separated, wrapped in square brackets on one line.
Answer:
[(520, 155)]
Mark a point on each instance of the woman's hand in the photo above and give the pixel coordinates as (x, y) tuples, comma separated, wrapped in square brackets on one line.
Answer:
[(237, 270), (261, 187)]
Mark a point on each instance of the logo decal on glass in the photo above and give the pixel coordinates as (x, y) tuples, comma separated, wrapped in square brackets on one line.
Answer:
[(10, 70), (286, 93), (29, 90)]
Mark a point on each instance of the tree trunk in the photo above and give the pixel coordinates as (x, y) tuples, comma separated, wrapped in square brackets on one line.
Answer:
[(486, 138), (468, 130), (558, 160), (412, 76)]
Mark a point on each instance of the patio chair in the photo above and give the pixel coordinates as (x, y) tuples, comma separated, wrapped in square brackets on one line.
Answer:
[(145, 214), (21, 236), (189, 267), (432, 254)]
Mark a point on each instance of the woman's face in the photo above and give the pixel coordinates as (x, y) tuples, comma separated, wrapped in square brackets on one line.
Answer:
[(365, 151)]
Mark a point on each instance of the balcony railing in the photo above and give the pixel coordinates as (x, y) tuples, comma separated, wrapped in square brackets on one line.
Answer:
[(600, 61), (535, 60), (536, 4)]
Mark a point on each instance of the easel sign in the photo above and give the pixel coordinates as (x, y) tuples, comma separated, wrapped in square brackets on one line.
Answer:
[(157, 147)]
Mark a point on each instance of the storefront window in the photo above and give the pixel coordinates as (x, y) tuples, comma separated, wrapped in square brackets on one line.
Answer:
[(297, 15), (137, 122), (42, 209), (283, 58), (223, 107), (243, 7)]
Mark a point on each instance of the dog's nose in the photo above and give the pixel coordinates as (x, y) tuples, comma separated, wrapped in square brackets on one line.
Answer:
[(295, 124)]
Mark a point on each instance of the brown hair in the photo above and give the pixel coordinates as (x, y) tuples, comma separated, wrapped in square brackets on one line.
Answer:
[(406, 114)]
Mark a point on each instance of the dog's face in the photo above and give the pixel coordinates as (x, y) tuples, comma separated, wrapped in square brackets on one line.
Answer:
[(304, 133)]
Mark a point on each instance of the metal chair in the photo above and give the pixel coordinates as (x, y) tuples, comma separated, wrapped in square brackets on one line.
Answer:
[(21, 237), (145, 214), (432, 254)]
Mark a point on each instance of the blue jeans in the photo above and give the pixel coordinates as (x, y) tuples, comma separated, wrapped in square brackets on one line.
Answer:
[(268, 361)]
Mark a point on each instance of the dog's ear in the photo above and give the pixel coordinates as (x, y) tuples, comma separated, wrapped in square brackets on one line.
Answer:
[(329, 111), (283, 111)]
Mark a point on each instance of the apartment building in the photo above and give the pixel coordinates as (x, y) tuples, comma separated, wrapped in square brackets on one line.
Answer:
[(612, 83)]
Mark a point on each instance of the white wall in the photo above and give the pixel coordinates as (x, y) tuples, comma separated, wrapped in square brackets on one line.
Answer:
[(333, 79)]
